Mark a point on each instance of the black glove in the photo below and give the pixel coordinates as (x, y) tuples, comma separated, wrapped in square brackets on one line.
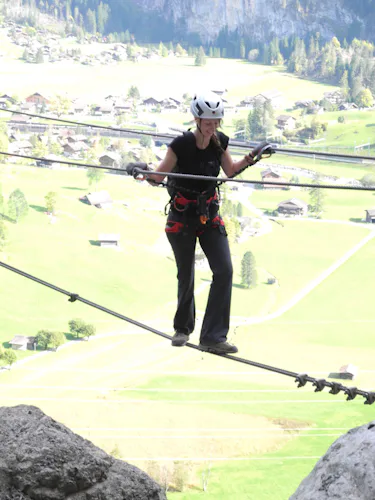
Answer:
[(134, 167), (263, 150)]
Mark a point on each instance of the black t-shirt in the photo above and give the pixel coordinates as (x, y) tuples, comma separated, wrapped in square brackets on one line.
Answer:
[(192, 160)]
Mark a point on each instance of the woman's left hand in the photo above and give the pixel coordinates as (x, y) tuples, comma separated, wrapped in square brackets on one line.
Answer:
[(249, 159)]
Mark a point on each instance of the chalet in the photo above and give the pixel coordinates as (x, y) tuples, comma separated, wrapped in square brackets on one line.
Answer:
[(293, 206), (8, 98), (274, 97), (79, 108), (19, 120), (38, 99), (272, 175), (122, 106), (248, 102), (105, 109), (3, 103), (348, 372), (286, 122), (20, 147), (109, 160), (151, 102), (76, 138), (370, 215), (347, 106), (334, 97), (100, 199), (22, 343), (109, 240), (305, 103), (72, 148), (49, 161)]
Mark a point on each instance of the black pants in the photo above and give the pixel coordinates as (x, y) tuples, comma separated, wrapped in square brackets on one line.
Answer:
[(214, 243)]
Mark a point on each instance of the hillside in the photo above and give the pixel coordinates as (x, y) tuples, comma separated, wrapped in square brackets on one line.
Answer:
[(211, 21)]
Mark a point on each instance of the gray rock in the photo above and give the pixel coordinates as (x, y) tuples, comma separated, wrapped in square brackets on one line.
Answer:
[(346, 471), (41, 459)]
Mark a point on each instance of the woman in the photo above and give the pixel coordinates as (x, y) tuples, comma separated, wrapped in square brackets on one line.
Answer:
[(194, 215)]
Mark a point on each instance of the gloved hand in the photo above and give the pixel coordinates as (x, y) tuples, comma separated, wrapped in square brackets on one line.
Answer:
[(133, 167), (262, 150)]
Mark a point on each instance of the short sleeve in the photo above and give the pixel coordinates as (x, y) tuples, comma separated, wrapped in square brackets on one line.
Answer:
[(178, 145), (224, 140)]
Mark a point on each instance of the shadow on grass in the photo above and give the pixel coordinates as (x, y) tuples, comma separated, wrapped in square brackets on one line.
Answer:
[(94, 243), (38, 208), (70, 336), (74, 188), (356, 219), (5, 217)]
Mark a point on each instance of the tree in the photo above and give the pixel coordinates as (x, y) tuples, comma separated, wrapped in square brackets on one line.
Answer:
[(316, 196), (145, 141), (9, 357), (248, 270), (95, 175), (75, 326), (60, 105), (78, 327), (17, 205), (3, 235), (43, 338), (133, 93), (56, 339), (368, 180), (200, 59), (4, 143), (51, 199), (39, 58), (364, 99)]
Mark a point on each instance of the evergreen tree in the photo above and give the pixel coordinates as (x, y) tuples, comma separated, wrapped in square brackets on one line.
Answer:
[(17, 205), (3, 235), (248, 270), (51, 199), (317, 196), (200, 59)]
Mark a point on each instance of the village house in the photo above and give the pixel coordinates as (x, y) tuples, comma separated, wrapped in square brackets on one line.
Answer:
[(20, 147), (109, 160), (22, 343), (272, 175), (17, 120), (100, 199), (286, 122), (151, 103), (105, 109), (109, 240), (294, 206), (274, 97), (370, 215), (335, 97), (38, 99), (76, 138), (72, 148), (348, 106)]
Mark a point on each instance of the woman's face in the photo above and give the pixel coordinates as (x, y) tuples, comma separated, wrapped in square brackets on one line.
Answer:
[(208, 127)]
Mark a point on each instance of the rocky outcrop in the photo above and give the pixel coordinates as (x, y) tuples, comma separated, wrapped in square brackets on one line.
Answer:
[(347, 470), (41, 459), (260, 20)]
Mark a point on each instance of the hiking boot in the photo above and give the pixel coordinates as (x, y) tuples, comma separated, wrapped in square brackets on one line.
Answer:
[(219, 348), (179, 339)]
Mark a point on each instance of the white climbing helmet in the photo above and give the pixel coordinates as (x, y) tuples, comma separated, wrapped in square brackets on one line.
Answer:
[(208, 106)]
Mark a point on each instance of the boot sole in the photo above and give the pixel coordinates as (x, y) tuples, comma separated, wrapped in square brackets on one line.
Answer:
[(214, 350), (179, 344)]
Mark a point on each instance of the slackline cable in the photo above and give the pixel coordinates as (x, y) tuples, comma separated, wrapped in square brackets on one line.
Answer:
[(237, 144), (300, 378), (195, 177)]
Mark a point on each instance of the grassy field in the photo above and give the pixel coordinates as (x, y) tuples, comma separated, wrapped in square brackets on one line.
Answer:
[(180, 405)]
